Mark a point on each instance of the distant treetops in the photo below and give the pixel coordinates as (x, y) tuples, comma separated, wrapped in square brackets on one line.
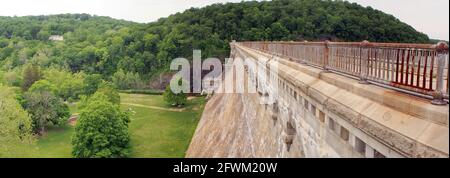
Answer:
[(105, 46)]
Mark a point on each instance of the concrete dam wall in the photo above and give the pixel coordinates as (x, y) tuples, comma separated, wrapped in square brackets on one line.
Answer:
[(318, 114)]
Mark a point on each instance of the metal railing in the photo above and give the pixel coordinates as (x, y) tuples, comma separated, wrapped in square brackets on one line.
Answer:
[(420, 69)]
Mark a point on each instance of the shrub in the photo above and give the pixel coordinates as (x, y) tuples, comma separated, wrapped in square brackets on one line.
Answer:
[(174, 99), (102, 130)]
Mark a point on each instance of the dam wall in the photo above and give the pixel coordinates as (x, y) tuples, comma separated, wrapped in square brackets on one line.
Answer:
[(317, 114)]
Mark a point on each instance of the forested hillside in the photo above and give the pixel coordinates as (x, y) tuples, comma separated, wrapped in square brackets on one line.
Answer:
[(103, 45)]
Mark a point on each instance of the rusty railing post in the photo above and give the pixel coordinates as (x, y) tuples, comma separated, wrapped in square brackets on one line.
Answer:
[(438, 95), (326, 57), (365, 50)]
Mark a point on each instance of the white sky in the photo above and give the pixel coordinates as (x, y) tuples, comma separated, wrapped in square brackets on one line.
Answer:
[(428, 16)]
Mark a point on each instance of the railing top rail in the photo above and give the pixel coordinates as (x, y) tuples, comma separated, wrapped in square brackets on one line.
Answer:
[(368, 44), (415, 68)]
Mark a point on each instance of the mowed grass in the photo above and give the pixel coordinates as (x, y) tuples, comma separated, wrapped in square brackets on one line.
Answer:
[(55, 144), (155, 133), (149, 100)]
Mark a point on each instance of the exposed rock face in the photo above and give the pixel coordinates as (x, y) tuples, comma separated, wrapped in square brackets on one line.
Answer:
[(161, 81)]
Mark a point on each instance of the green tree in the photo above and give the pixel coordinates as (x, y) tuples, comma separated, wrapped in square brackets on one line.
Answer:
[(108, 90), (46, 110), (43, 35), (68, 86), (278, 32), (174, 99), (126, 80), (102, 130), (105, 89), (12, 78), (15, 123), (119, 79), (31, 74), (43, 86), (91, 83)]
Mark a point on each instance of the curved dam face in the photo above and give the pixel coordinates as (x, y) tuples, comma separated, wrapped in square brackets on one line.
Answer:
[(319, 114), (237, 125), (232, 127)]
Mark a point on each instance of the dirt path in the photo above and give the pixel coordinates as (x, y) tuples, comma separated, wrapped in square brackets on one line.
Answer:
[(73, 119), (154, 107)]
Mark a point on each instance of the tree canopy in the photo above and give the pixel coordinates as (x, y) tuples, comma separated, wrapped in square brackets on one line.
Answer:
[(105, 46), (15, 122), (175, 99), (46, 110), (102, 130)]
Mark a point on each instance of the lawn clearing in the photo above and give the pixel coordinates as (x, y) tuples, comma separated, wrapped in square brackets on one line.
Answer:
[(155, 130), (160, 133)]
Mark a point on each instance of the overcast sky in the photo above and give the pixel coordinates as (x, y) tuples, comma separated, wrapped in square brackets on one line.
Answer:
[(428, 16)]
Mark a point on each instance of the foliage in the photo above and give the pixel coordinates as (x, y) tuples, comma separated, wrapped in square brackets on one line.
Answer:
[(31, 74), (68, 86), (43, 86), (175, 99), (134, 51), (102, 130), (45, 110), (11, 78), (15, 123), (126, 80), (92, 83), (2, 78), (105, 89), (153, 133), (112, 94)]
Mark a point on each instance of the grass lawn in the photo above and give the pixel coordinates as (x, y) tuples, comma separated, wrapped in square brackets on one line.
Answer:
[(161, 133), (155, 132)]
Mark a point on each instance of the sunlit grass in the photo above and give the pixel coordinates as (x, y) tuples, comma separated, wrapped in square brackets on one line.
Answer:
[(154, 133)]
